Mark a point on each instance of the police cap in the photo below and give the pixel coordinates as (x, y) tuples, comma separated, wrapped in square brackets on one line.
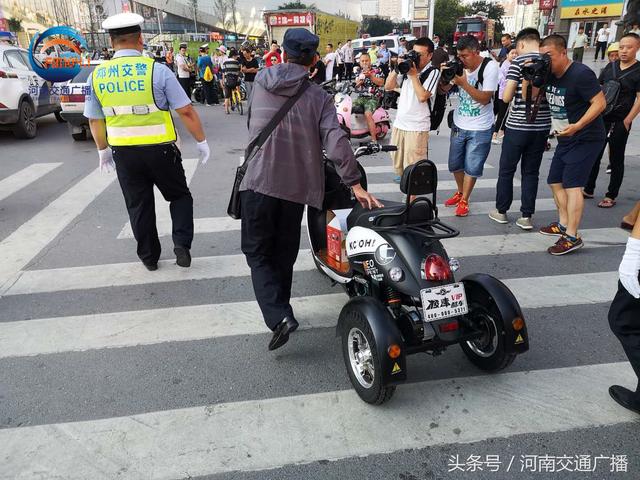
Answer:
[(299, 41), (123, 23)]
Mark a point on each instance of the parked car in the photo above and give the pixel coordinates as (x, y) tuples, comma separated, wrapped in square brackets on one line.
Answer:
[(24, 96), (361, 45), (72, 102)]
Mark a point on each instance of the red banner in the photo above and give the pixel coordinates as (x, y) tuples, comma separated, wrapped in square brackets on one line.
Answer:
[(290, 19), (547, 4)]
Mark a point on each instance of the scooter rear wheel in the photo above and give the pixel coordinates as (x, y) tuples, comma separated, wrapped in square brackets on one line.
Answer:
[(488, 352), (361, 359)]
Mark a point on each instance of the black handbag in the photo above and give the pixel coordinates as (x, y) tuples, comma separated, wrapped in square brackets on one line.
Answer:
[(234, 209)]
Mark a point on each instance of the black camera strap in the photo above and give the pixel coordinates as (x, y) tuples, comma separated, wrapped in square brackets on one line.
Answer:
[(531, 111)]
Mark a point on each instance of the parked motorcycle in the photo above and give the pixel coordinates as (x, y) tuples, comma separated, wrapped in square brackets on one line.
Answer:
[(404, 298)]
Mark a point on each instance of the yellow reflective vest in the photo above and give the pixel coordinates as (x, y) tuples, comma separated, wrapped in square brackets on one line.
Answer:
[(124, 87)]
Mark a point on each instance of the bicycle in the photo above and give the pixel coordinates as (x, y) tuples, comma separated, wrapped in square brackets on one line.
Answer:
[(236, 100)]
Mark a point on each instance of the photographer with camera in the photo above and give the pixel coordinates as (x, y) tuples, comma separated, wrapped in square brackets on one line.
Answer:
[(526, 132), (472, 128), (419, 81), (576, 102)]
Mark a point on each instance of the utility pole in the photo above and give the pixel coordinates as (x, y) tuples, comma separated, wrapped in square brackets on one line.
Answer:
[(432, 16)]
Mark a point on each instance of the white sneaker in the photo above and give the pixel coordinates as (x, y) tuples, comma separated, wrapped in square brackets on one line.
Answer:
[(525, 223), (496, 216)]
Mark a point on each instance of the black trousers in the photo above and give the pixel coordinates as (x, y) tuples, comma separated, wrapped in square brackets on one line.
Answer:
[(617, 142), (526, 148), (600, 47), (210, 92), (624, 320), (139, 169), (186, 85), (340, 71), (348, 71), (270, 242), (501, 115)]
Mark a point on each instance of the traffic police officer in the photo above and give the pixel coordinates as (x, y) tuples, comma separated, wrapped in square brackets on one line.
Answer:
[(128, 112)]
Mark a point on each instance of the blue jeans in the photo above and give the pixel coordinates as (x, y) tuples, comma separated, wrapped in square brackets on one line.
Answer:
[(527, 148), (468, 150)]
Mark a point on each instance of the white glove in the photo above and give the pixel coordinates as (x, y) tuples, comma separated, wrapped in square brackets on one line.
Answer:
[(630, 266), (106, 160), (203, 150)]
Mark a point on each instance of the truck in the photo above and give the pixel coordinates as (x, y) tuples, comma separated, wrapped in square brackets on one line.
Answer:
[(330, 28), (479, 26)]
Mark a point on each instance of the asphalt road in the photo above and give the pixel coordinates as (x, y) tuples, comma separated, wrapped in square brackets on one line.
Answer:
[(106, 372)]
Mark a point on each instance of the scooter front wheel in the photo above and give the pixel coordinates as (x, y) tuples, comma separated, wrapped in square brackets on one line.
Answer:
[(361, 359), (488, 352)]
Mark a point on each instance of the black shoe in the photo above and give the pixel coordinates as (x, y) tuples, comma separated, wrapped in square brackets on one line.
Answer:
[(282, 331), (152, 267), (183, 257), (625, 397)]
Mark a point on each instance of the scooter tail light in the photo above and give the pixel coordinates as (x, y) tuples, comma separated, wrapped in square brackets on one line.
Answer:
[(435, 269), (448, 327)]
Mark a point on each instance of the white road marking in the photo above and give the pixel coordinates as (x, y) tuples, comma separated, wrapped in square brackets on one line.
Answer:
[(442, 167), (143, 327), (254, 435), (163, 214), (227, 224), (443, 185), (22, 178), (19, 248)]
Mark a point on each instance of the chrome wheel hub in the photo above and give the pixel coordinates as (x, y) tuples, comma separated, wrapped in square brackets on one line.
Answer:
[(360, 357)]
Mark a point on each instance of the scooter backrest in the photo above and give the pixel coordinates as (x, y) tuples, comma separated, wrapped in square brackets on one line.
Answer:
[(421, 178)]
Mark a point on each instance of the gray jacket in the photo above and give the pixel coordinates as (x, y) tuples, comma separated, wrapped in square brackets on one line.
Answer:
[(289, 164)]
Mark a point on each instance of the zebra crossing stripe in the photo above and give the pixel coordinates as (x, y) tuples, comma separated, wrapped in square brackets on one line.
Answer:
[(227, 224), (223, 266), (19, 248), (374, 169), (24, 177), (144, 327), (254, 435), (163, 215), (442, 185)]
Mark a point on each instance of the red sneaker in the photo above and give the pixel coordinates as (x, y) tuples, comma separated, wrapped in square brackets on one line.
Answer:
[(463, 208), (453, 201)]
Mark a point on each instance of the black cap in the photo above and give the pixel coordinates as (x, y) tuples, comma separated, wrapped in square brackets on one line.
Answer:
[(298, 41)]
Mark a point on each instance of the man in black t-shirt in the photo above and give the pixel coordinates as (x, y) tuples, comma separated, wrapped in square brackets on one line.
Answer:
[(576, 103), (318, 72), (618, 121), (249, 66)]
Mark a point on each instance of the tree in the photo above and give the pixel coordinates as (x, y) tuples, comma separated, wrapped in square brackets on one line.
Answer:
[(296, 5), (15, 25), (376, 26), (493, 10), (233, 7), (221, 9), (402, 26), (447, 13)]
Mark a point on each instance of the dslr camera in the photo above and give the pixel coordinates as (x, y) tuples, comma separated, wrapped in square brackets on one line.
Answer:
[(538, 71), (453, 68), (410, 59)]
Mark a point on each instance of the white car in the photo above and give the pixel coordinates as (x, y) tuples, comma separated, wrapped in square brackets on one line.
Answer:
[(72, 102), (361, 45), (24, 96)]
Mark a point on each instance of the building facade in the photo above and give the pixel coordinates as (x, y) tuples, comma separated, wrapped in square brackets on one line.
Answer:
[(391, 9), (590, 14)]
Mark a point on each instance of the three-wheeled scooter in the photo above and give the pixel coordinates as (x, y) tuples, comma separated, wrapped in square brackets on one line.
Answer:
[(404, 298)]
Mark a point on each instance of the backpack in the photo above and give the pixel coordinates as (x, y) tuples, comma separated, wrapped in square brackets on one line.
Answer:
[(231, 80), (439, 104), (611, 90), (208, 74)]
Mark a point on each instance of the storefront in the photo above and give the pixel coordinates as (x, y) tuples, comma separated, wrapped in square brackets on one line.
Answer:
[(590, 14)]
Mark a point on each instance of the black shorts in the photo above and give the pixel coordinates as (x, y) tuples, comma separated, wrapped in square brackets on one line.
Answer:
[(572, 162)]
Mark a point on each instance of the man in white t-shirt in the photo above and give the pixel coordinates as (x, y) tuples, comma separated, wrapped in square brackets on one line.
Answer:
[(472, 121), (411, 127), (330, 61), (184, 69), (601, 42)]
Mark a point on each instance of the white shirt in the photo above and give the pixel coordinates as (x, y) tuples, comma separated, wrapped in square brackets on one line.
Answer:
[(413, 115), (471, 115), (347, 53), (330, 60), (603, 35), (181, 61)]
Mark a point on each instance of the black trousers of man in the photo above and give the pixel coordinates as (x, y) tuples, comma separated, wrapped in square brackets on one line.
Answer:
[(600, 47), (624, 320), (348, 70), (185, 83), (139, 169), (210, 92), (270, 242), (617, 143)]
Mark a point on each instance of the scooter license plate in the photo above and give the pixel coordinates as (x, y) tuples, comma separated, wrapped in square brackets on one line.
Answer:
[(443, 302)]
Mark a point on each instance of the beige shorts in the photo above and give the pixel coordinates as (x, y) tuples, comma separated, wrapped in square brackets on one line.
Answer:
[(412, 146)]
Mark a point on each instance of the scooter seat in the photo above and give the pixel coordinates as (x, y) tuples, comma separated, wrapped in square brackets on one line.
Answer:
[(357, 109), (362, 217)]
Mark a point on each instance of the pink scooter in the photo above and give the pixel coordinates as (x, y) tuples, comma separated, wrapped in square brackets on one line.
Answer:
[(352, 118)]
